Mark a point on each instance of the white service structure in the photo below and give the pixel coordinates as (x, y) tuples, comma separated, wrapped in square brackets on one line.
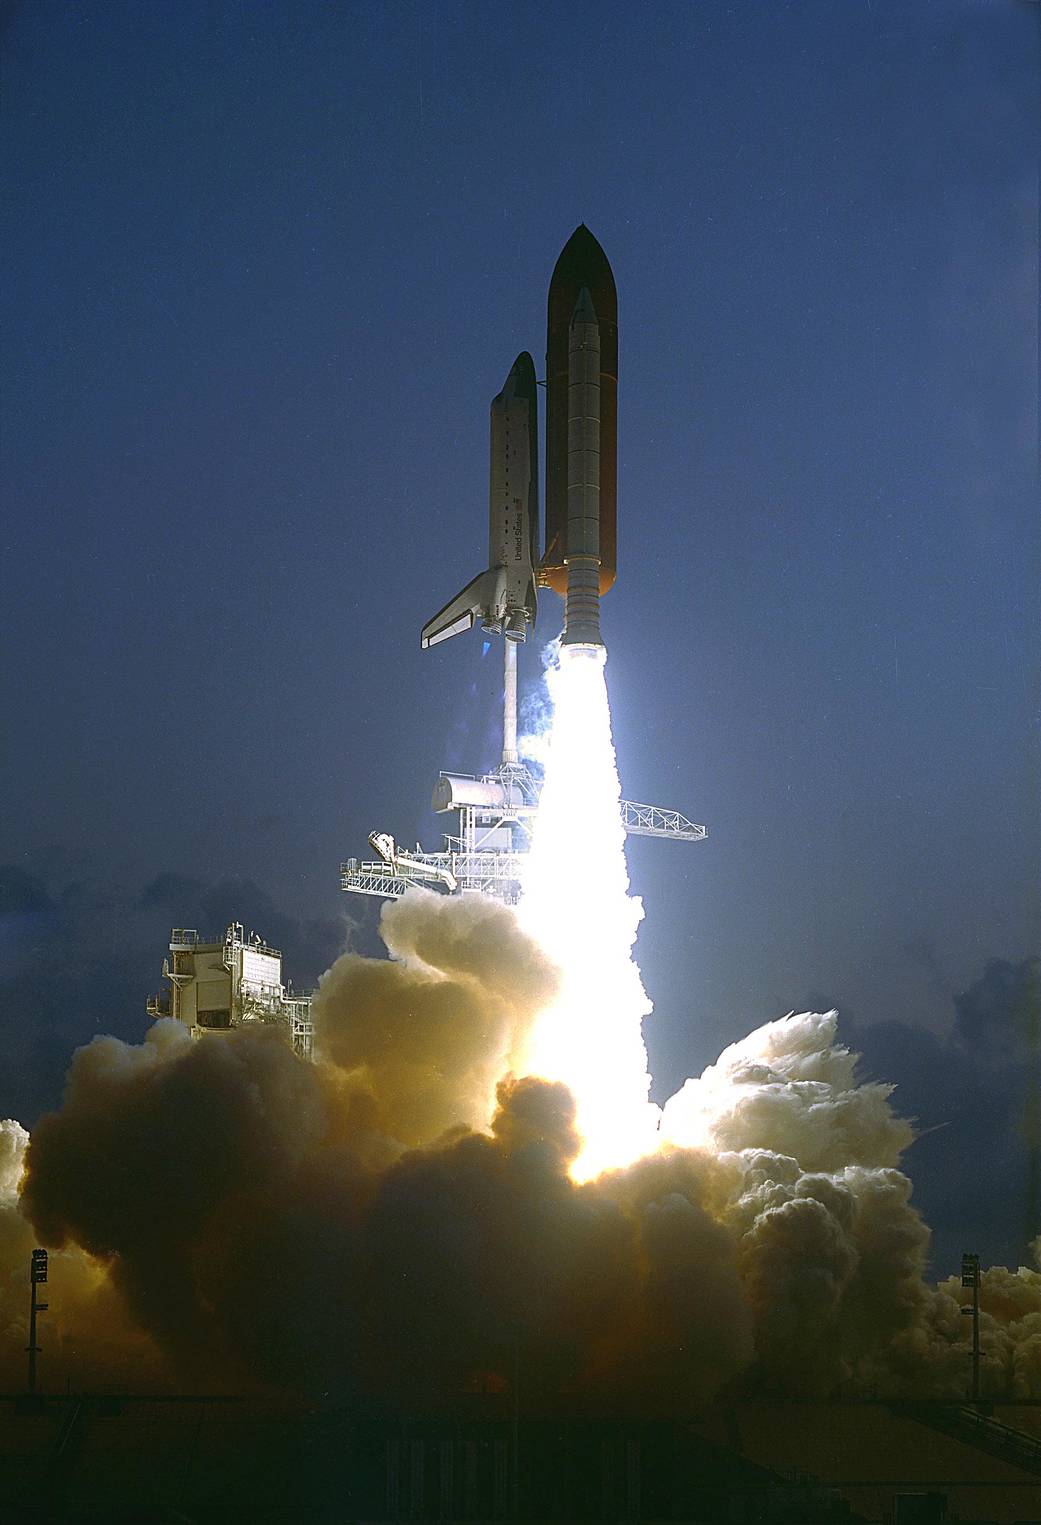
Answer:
[(221, 983)]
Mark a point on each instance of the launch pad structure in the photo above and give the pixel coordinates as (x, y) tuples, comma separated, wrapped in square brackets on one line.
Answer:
[(229, 981), (487, 851)]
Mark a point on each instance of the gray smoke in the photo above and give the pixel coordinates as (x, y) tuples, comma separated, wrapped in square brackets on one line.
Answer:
[(397, 1219)]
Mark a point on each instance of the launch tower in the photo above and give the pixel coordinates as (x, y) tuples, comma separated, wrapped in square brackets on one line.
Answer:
[(486, 852)]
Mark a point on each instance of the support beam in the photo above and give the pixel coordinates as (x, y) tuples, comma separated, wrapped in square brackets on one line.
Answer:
[(509, 703)]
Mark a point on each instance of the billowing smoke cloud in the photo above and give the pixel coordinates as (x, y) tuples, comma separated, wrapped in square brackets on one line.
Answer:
[(428, 1033), (391, 1222), (789, 1087), (88, 1332), (1010, 1327), (13, 1140)]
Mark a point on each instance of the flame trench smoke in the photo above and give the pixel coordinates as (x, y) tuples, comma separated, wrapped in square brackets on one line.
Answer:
[(474, 1177)]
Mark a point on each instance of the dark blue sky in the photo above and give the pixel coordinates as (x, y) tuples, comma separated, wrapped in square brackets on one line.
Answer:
[(265, 267)]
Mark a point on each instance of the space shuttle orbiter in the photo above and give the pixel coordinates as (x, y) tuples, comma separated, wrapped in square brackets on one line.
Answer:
[(502, 598)]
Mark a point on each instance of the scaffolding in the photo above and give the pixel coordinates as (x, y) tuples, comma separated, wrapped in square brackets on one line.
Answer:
[(487, 853)]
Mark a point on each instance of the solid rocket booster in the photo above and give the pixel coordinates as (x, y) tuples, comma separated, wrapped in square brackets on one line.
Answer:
[(582, 555), (582, 264)]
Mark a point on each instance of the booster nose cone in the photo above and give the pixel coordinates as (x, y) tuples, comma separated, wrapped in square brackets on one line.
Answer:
[(584, 311), (521, 380)]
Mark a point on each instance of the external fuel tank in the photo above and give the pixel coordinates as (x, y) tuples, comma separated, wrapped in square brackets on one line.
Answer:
[(582, 265)]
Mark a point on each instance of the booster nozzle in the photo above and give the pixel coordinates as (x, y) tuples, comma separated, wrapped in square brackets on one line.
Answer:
[(584, 651), (582, 602)]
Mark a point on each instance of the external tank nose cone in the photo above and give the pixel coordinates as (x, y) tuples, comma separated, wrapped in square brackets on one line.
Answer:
[(581, 262)]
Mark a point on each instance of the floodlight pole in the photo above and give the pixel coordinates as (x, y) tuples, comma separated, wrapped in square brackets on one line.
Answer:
[(515, 1427), (37, 1278), (970, 1277)]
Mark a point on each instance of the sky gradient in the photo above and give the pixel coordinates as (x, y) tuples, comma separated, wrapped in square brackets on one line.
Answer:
[(265, 267)]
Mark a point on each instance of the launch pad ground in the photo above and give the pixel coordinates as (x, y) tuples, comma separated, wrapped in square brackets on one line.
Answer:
[(111, 1459)]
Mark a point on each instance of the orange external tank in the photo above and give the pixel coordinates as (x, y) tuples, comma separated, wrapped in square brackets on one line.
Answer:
[(582, 265)]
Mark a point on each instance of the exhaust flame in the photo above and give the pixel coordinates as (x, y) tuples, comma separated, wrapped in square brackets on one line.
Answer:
[(576, 905)]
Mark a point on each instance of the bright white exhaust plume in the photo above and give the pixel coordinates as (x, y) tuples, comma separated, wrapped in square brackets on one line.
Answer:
[(577, 906)]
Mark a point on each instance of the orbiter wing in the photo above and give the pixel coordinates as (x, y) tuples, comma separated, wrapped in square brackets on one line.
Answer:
[(483, 599)]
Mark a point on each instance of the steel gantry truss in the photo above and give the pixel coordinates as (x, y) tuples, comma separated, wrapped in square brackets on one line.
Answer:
[(652, 821), (488, 853)]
